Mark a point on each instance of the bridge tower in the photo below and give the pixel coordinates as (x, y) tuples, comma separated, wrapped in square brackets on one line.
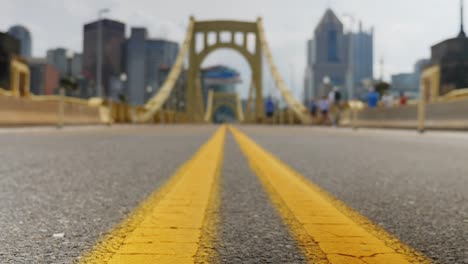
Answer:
[(235, 31)]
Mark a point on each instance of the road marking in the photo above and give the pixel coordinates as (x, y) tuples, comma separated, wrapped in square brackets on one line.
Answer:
[(176, 224), (327, 230)]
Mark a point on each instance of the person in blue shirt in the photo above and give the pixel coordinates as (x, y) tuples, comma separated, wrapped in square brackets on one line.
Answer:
[(313, 108), (372, 98), (269, 107)]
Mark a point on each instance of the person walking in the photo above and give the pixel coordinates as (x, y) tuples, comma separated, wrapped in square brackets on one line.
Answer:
[(387, 100), (324, 107), (403, 98), (313, 108), (269, 109), (372, 98), (335, 107)]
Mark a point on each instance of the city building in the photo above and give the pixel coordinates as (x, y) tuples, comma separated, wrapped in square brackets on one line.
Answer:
[(404, 82), (66, 62), (58, 58), (135, 66), (409, 82), (448, 66), (146, 63), (159, 53), (22, 34), (338, 59), (361, 61), (76, 65), (220, 79), (113, 40), (45, 78)]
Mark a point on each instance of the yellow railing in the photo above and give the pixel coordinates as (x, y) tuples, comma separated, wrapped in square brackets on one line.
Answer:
[(4, 92)]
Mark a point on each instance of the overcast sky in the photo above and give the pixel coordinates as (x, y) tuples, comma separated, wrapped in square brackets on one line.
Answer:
[(405, 29)]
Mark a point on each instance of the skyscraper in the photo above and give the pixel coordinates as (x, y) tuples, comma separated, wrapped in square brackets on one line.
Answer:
[(113, 39), (160, 53), (136, 65), (76, 65), (147, 63), (327, 56), (362, 60), (24, 36), (45, 78), (58, 58), (345, 59)]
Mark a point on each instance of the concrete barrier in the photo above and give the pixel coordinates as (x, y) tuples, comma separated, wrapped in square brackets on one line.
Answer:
[(439, 115), (44, 111)]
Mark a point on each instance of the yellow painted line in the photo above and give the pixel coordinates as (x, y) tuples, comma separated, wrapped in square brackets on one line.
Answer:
[(326, 229), (176, 224)]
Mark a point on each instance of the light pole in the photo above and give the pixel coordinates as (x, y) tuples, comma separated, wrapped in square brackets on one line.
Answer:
[(100, 92), (62, 90)]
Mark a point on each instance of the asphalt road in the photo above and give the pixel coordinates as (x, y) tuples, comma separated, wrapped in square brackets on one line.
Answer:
[(251, 230), (82, 182), (415, 187)]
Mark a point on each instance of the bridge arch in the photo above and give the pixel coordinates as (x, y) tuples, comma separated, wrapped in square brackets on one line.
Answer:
[(193, 98), (232, 106), (195, 106)]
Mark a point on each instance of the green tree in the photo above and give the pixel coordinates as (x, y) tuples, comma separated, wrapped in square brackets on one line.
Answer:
[(381, 87)]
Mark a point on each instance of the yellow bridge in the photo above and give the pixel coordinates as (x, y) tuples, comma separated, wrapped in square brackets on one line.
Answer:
[(238, 41)]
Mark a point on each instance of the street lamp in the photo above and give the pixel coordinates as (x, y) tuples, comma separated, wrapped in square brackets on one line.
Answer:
[(123, 77), (66, 82), (100, 91)]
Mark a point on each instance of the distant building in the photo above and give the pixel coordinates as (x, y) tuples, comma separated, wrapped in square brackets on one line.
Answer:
[(362, 61), (346, 59), (330, 55), (147, 62), (113, 39), (45, 78), (409, 82), (448, 66), (58, 58), (24, 36), (405, 82), (77, 65), (136, 65), (159, 53)]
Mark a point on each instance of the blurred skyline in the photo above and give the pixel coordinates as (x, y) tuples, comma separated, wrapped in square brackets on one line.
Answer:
[(404, 30)]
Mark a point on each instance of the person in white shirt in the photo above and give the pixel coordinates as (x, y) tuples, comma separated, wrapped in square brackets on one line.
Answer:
[(387, 99), (324, 107)]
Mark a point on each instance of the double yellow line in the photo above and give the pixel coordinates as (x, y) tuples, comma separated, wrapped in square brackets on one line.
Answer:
[(177, 224)]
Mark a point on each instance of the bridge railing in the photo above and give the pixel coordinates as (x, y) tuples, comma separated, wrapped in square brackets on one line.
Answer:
[(445, 114)]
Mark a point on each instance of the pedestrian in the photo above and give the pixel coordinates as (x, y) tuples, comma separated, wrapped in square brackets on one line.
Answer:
[(336, 107), (338, 96), (372, 98), (313, 108), (403, 98), (324, 107), (387, 99), (269, 108)]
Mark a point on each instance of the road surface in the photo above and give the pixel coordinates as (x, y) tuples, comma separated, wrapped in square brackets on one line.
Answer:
[(61, 192)]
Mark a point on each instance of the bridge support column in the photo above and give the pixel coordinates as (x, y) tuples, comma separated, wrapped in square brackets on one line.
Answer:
[(257, 73)]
